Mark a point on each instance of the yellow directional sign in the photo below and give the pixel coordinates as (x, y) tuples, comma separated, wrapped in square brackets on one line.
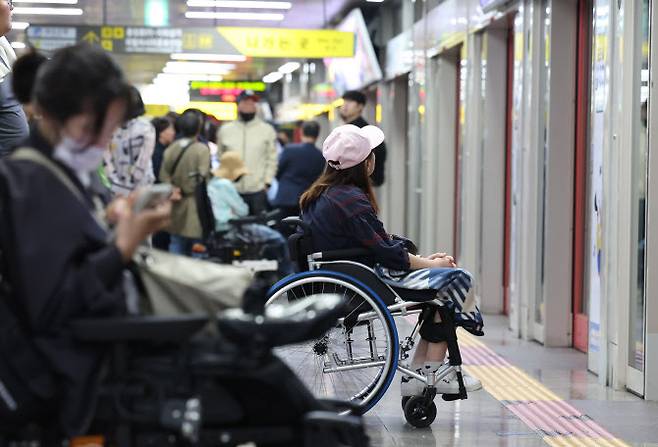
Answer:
[(91, 37), (294, 43)]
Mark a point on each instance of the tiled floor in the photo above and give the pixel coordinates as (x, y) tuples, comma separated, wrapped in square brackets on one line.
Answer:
[(483, 421)]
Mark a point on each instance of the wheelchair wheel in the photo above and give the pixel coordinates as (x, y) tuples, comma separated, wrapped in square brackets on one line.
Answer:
[(355, 360), (419, 412)]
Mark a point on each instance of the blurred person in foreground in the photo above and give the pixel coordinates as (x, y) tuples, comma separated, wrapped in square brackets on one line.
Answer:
[(354, 102), (13, 122), (186, 162), (255, 141), (59, 257), (299, 166), (127, 162)]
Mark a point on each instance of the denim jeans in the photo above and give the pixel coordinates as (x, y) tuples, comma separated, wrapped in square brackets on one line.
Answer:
[(181, 245)]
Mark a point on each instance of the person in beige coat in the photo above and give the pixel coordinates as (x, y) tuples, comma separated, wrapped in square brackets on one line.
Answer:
[(186, 162), (255, 141)]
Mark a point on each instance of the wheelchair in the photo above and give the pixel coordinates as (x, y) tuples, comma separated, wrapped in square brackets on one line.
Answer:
[(165, 384), (356, 360), (237, 245)]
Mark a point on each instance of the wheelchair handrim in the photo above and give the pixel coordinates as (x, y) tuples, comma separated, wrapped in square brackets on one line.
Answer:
[(380, 308)]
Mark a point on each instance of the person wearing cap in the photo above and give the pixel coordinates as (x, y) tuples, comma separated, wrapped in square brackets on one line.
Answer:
[(340, 209), (255, 141), (351, 112), (227, 204)]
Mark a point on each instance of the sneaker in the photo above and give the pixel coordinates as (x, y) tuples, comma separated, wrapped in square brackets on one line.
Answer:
[(450, 384)]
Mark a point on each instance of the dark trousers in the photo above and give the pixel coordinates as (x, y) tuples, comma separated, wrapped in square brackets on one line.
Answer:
[(256, 201)]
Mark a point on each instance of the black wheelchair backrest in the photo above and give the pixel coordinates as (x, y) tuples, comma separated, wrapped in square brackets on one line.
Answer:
[(300, 243)]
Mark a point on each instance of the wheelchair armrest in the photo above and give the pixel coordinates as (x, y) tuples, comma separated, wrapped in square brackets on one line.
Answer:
[(258, 218), (295, 221), (138, 328), (340, 255)]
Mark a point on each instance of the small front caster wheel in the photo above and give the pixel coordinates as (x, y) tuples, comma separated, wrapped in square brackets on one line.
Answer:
[(405, 399), (419, 413)]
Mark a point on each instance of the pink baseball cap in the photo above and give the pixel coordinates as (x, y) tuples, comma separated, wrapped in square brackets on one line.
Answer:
[(348, 145)]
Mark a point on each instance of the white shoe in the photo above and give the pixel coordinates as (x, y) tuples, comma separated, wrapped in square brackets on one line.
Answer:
[(450, 384), (410, 386)]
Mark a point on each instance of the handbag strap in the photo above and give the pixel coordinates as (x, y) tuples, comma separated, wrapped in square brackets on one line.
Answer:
[(33, 155), (178, 159)]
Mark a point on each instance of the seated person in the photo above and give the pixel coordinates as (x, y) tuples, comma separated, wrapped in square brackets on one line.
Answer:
[(59, 258), (227, 204), (341, 210)]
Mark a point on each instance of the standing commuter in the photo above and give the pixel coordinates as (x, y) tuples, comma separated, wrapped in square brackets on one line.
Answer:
[(186, 162), (164, 136), (299, 166), (350, 112), (127, 163), (255, 141), (13, 123)]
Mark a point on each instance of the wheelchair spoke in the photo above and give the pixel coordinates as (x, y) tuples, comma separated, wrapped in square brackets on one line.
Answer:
[(335, 366)]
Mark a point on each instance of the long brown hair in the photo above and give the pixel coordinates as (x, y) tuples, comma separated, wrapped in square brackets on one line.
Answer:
[(355, 176)]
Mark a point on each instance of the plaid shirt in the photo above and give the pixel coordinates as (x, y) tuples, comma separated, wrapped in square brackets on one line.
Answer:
[(343, 218)]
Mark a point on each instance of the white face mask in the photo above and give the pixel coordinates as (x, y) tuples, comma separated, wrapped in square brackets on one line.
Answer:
[(80, 158)]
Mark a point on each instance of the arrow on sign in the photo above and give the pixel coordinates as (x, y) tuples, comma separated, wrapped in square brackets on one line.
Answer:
[(91, 37)]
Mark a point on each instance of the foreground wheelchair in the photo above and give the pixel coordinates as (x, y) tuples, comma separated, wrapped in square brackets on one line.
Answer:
[(357, 359), (165, 384)]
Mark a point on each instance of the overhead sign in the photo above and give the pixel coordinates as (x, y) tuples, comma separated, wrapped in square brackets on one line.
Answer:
[(223, 91), (253, 42), (289, 43), (132, 39)]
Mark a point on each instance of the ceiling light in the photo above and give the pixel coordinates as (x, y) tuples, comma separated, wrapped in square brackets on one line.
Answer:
[(52, 2), (197, 67), (375, 1), (235, 16), (238, 4), (289, 67), (209, 57), (272, 77), (18, 45), (19, 25), (48, 11)]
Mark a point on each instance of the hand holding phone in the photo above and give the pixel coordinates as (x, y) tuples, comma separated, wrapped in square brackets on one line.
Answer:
[(152, 196)]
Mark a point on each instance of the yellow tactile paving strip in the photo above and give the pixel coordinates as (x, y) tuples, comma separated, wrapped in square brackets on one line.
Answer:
[(559, 423)]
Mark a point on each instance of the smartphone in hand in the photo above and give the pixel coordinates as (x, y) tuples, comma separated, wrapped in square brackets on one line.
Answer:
[(152, 196)]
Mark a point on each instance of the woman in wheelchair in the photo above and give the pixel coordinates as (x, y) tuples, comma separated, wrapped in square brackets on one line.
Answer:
[(340, 212), (227, 205)]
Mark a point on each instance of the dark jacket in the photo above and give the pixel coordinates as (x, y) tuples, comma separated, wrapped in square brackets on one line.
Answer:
[(62, 268), (380, 154), (343, 218), (299, 166), (157, 158)]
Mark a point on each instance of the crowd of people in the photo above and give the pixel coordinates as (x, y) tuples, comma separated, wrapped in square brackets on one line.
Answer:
[(70, 182)]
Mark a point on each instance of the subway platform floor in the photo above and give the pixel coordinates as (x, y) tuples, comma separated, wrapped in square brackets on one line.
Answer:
[(532, 396)]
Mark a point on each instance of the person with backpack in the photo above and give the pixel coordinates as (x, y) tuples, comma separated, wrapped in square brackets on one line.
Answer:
[(186, 163), (59, 260)]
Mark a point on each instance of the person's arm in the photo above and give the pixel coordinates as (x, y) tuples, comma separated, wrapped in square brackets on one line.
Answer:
[(204, 162), (271, 156), (235, 202), (283, 164), (165, 175)]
